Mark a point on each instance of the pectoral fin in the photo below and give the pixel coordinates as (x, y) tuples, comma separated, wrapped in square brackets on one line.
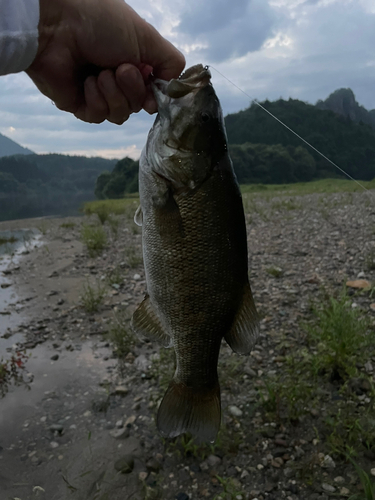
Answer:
[(138, 216), (245, 328), (146, 324)]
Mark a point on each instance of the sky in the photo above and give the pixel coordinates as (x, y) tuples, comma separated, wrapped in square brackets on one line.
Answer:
[(304, 49)]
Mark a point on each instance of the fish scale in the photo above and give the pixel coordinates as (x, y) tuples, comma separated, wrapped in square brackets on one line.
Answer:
[(195, 251)]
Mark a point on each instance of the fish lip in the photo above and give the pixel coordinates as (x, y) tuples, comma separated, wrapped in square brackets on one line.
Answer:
[(191, 81)]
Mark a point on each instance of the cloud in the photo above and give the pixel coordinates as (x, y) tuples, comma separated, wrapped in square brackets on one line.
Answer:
[(221, 29), (302, 49)]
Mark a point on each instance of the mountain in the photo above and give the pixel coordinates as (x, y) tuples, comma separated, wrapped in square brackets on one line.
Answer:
[(9, 147), (349, 144), (343, 102), (38, 185)]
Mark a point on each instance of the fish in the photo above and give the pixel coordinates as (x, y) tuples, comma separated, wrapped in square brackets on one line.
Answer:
[(195, 251)]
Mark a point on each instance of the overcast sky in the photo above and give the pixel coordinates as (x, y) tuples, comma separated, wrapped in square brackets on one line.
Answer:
[(303, 49)]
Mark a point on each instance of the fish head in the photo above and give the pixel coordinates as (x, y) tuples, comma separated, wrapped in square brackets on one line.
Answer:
[(188, 138)]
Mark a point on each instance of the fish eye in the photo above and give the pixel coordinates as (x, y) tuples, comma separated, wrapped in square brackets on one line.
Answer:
[(205, 117)]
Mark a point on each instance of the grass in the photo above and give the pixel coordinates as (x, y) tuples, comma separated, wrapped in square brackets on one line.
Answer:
[(231, 489), (367, 483), (121, 336), (133, 256), (95, 239), (92, 296), (104, 208), (274, 271), (6, 241), (323, 186), (341, 336), (68, 225)]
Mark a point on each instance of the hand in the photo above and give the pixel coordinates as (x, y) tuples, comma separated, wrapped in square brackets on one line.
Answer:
[(95, 58)]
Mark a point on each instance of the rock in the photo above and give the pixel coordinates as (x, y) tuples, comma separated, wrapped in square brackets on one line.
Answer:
[(327, 487), (339, 480), (288, 472), (53, 444), (125, 464), (344, 491), (235, 411), (328, 462), (153, 465), (55, 357), (213, 460), (121, 390), (358, 284), (120, 433), (130, 420), (369, 367), (372, 472), (56, 428), (137, 277), (361, 275), (182, 496), (141, 363)]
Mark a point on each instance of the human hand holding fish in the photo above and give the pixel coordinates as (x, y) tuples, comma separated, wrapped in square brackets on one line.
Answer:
[(194, 249), (95, 57)]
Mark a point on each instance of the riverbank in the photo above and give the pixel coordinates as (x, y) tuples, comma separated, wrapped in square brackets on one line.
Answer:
[(86, 429)]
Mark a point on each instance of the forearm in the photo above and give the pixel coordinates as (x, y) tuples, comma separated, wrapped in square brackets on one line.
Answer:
[(18, 34)]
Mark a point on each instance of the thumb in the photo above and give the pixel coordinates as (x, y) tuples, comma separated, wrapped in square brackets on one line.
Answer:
[(166, 60)]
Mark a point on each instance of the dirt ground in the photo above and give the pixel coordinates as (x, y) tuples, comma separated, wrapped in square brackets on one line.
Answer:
[(86, 429)]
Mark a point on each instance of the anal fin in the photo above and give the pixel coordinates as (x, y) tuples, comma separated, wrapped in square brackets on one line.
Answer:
[(245, 328), (146, 323)]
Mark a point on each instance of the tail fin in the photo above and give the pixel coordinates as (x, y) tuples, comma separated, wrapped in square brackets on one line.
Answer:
[(186, 410)]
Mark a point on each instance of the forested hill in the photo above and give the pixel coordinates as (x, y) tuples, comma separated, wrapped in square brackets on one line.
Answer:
[(9, 147), (54, 184), (264, 151)]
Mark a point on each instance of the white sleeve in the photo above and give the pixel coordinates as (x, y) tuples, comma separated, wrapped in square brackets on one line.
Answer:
[(18, 34)]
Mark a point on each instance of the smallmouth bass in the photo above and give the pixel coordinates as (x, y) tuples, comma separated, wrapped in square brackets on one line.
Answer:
[(194, 249)]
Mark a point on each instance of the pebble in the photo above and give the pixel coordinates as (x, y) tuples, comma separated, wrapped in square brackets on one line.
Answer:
[(327, 487), (56, 428), (137, 277), (235, 411), (344, 491), (182, 496), (213, 460), (121, 390), (130, 420), (153, 465), (339, 480), (53, 444), (120, 433), (328, 462), (372, 472), (55, 357)]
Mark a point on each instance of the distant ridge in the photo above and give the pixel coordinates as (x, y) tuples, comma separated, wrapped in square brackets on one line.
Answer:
[(9, 147), (343, 102)]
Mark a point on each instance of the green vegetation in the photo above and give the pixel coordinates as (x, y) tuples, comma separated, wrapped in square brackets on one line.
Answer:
[(275, 271), (121, 335), (338, 341), (95, 238), (232, 489), (39, 185), (367, 483), (351, 145), (123, 179), (125, 206), (92, 296), (341, 337), (68, 225), (5, 241)]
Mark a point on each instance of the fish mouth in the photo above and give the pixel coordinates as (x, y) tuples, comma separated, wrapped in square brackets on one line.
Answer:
[(192, 80)]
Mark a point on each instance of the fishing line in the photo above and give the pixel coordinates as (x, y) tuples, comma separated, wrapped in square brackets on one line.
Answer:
[(293, 132)]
